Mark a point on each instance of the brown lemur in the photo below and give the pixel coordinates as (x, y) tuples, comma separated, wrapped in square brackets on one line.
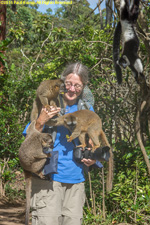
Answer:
[(46, 96), (32, 158), (82, 123)]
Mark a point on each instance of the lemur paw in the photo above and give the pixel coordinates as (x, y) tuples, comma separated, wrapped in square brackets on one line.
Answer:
[(69, 138)]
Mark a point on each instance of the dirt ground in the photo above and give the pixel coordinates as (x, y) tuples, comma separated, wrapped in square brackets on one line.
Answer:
[(12, 213)]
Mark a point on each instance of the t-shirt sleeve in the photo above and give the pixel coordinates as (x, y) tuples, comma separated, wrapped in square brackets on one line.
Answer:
[(91, 108), (25, 130)]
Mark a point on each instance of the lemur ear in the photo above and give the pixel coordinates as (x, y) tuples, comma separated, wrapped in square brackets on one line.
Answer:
[(31, 128)]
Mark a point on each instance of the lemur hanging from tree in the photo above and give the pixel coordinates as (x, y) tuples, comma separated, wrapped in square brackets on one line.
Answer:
[(125, 27)]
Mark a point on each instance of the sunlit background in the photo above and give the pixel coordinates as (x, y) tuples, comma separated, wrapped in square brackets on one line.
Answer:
[(43, 7)]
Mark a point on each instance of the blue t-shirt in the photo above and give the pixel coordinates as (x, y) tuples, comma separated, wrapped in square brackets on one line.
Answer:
[(69, 171)]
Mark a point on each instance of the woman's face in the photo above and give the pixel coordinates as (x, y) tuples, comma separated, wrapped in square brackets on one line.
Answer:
[(74, 88)]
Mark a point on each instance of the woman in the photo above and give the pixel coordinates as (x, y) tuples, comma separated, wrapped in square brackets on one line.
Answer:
[(61, 200)]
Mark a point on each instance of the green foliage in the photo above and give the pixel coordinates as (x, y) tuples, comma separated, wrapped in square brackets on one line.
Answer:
[(13, 194), (129, 201), (130, 197), (25, 16)]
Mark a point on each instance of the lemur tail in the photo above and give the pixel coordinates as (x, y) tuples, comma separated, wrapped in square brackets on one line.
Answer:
[(116, 52)]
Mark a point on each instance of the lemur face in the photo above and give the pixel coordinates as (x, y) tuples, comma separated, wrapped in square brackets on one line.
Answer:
[(124, 62), (46, 140)]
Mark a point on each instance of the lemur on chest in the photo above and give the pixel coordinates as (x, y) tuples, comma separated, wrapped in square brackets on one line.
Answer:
[(125, 27)]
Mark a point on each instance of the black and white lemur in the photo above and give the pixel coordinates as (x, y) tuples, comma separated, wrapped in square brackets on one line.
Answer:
[(125, 27)]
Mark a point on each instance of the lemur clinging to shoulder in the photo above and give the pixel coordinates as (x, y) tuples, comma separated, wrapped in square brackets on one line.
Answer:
[(125, 27)]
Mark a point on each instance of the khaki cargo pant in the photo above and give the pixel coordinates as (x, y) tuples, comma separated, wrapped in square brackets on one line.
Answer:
[(55, 203)]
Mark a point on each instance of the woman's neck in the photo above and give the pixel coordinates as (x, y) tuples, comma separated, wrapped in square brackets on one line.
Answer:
[(67, 102)]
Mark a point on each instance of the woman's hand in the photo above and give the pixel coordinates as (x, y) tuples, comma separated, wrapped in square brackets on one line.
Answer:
[(46, 116), (88, 162)]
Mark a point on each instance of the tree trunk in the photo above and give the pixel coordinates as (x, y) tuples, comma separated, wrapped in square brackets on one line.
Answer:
[(100, 13), (117, 6), (2, 31), (108, 11)]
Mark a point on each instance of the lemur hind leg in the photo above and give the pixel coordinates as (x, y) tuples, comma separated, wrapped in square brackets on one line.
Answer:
[(82, 140), (94, 135)]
